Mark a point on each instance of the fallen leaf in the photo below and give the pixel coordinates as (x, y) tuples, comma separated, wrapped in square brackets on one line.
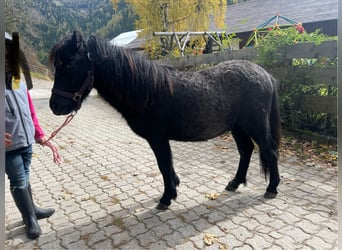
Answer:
[(309, 152), (212, 196), (104, 177), (139, 210), (223, 246), (209, 239), (114, 200)]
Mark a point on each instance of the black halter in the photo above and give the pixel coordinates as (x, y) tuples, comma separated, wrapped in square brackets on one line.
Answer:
[(77, 96)]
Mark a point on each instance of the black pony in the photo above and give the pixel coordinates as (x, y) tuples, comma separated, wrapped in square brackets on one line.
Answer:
[(161, 103)]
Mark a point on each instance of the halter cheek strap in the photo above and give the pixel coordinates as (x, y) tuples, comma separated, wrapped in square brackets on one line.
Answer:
[(77, 96)]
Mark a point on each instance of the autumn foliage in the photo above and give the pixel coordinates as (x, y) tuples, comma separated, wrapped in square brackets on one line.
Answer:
[(176, 15)]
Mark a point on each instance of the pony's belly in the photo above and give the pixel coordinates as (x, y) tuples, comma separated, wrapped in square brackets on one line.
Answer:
[(199, 133)]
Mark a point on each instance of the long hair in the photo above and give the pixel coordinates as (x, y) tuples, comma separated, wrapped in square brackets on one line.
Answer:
[(15, 59), (148, 79)]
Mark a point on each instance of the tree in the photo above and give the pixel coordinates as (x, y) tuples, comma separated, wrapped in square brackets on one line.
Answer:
[(17, 19), (15, 13), (176, 15), (230, 2), (42, 23), (122, 20)]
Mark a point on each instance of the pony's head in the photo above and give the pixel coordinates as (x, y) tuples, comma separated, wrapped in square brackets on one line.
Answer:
[(74, 72)]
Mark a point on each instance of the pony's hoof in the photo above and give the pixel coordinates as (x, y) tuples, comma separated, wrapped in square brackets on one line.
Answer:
[(230, 187), (270, 195), (162, 206)]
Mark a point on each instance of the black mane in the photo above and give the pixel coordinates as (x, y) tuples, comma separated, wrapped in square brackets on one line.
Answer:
[(148, 79)]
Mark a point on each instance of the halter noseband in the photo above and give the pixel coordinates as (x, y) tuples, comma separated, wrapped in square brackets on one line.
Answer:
[(77, 96)]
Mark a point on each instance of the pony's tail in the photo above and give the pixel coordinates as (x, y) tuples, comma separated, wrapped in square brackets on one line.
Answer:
[(275, 129), (275, 123)]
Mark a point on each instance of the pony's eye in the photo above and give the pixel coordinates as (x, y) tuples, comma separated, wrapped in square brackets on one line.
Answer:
[(67, 67), (59, 63)]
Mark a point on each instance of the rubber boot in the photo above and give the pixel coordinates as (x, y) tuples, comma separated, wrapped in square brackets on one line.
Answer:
[(24, 203), (41, 213)]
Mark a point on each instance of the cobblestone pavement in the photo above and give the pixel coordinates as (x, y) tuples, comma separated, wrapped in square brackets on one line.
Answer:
[(106, 190)]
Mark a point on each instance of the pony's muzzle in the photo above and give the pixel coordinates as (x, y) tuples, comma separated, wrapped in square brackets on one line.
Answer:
[(62, 108)]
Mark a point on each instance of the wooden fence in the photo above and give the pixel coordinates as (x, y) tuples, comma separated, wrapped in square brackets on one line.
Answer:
[(299, 74), (38, 68)]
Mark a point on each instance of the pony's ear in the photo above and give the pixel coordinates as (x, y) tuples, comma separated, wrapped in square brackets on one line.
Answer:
[(92, 48), (77, 39)]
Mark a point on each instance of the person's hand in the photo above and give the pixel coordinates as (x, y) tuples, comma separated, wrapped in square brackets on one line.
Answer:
[(8, 141), (41, 141)]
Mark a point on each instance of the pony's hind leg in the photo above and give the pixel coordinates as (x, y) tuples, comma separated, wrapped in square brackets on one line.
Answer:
[(245, 147), (162, 152), (269, 162)]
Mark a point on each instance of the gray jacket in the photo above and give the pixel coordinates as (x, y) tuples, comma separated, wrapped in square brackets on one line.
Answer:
[(19, 121)]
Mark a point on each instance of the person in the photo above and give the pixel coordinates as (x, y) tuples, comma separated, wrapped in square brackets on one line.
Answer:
[(22, 129)]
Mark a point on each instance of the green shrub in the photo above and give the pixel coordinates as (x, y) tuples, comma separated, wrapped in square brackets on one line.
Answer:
[(270, 50)]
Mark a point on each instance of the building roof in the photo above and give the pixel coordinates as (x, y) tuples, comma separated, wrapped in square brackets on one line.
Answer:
[(244, 17), (247, 16), (8, 36), (125, 39)]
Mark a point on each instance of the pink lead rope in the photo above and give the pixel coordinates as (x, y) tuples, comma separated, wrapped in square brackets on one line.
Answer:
[(56, 157)]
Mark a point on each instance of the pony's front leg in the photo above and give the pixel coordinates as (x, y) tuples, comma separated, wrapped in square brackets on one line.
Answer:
[(162, 151)]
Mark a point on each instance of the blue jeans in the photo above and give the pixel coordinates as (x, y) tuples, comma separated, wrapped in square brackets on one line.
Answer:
[(18, 167)]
